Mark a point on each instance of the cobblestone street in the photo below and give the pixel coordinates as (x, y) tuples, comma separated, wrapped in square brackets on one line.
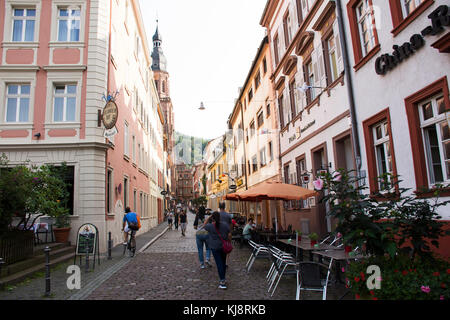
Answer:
[(169, 269)]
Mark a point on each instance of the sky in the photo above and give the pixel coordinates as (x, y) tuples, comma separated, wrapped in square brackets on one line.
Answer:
[(210, 46)]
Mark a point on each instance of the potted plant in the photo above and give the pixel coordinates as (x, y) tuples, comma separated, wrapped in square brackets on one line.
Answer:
[(61, 227), (299, 235), (313, 237)]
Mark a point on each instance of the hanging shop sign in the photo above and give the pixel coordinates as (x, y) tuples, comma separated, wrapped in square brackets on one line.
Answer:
[(386, 62), (110, 114)]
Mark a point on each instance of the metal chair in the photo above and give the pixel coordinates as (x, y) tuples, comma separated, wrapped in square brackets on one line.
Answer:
[(258, 252), (310, 278), (281, 263)]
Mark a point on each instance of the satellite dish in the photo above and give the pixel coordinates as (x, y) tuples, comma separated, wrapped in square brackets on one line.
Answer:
[(202, 106)]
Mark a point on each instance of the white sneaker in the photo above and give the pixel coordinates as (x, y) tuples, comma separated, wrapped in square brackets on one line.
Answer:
[(202, 266)]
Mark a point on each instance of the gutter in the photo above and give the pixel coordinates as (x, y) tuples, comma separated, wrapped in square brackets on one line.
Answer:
[(350, 91)]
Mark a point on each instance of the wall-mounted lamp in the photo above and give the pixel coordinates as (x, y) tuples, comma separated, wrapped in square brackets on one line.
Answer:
[(305, 87), (38, 135)]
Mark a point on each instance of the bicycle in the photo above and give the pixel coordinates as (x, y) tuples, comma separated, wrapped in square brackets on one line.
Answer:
[(131, 244)]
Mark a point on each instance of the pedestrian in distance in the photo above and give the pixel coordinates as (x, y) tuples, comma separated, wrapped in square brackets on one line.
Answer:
[(170, 219), (176, 218), (225, 217), (217, 231), (183, 222), (201, 238)]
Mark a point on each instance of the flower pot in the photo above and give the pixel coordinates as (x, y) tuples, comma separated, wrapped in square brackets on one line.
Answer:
[(61, 234), (348, 249), (299, 238), (313, 242)]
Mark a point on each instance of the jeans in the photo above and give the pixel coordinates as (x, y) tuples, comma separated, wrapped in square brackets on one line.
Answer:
[(220, 258), (202, 239)]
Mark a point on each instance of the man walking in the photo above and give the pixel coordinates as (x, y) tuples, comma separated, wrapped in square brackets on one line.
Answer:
[(183, 222)]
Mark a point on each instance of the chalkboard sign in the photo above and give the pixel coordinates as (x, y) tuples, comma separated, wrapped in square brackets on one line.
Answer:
[(87, 236)]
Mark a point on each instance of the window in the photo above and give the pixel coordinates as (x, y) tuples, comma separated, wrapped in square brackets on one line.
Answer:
[(280, 110), (250, 95), (264, 65), (310, 80), (257, 80), (286, 173), (23, 25), (287, 29), (135, 200), (267, 108), (299, 12), (254, 163), (270, 151), (332, 60), (276, 48), (133, 146), (260, 117), (262, 156), (17, 102), (69, 24), (382, 150), (302, 178), (125, 192), (65, 99), (366, 26), (252, 128), (409, 6), (126, 146), (109, 191), (294, 109), (436, 139)]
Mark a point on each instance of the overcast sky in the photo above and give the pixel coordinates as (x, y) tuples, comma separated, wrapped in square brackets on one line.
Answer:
[(209, 46)]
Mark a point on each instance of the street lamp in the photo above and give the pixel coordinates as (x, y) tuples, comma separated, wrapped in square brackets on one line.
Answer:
[(202, 106), (305, 87)]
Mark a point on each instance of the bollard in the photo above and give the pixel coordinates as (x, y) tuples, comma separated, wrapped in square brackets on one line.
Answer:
[(87, 258), (47, 271), (109, 245), (1, 263)]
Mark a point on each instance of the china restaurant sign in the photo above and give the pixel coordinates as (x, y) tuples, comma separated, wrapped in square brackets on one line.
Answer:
[(439, 18)]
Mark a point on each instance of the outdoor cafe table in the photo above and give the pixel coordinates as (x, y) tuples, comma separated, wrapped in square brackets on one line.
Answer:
[(338, 255), (306, 245), (268, 235)]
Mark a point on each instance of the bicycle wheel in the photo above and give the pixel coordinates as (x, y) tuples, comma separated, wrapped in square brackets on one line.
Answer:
[(132, 246)]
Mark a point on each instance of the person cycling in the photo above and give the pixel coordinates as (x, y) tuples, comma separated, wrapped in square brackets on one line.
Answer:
[(131, 221)]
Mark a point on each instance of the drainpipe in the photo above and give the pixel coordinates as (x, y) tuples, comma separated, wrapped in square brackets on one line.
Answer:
[(243, 144), (355, 140)]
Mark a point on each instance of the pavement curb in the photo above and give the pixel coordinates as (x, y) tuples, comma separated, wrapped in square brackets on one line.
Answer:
[(153, 240)]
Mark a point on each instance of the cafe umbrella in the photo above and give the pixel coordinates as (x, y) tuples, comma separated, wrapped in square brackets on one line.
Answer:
[(269, 190)]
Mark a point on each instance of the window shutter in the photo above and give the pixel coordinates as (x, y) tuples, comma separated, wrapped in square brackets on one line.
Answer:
[(337, 37), (304, 8), (281, 47), (315, 65), (300, 95), (286, 104), (322, 73), (294, 18), (281, 112)]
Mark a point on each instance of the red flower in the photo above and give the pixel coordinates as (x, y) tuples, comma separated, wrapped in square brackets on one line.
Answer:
[(436, 274), (374, 298), (395, 270), (362, 275), (410, 270), (448, 271), (404, 272), (372, 293), (357, 296), (443, 286), (357, 279)]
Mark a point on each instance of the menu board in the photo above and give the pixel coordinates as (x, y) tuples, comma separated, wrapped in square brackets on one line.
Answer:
[(87, 237)]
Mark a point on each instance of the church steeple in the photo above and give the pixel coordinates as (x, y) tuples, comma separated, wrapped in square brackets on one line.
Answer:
[(159, 60)]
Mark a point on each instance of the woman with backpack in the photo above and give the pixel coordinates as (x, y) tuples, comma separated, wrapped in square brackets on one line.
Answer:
[(218, 232)]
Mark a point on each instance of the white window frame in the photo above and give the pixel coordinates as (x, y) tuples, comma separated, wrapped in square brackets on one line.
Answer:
[(367, 19), (384, 143), (10, 5), (435, 121), (126, 143), (262, 156), (65, 96), (404, 5), (111, 190), (24, 20), (19, 96), (332, 58), (58, 4), (70, 19)]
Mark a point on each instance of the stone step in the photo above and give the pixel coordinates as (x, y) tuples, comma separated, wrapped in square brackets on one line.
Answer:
[(56, 251), (22, 275)]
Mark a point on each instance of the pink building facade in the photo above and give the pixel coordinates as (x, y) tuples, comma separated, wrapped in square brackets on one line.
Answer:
[(59, 61)]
